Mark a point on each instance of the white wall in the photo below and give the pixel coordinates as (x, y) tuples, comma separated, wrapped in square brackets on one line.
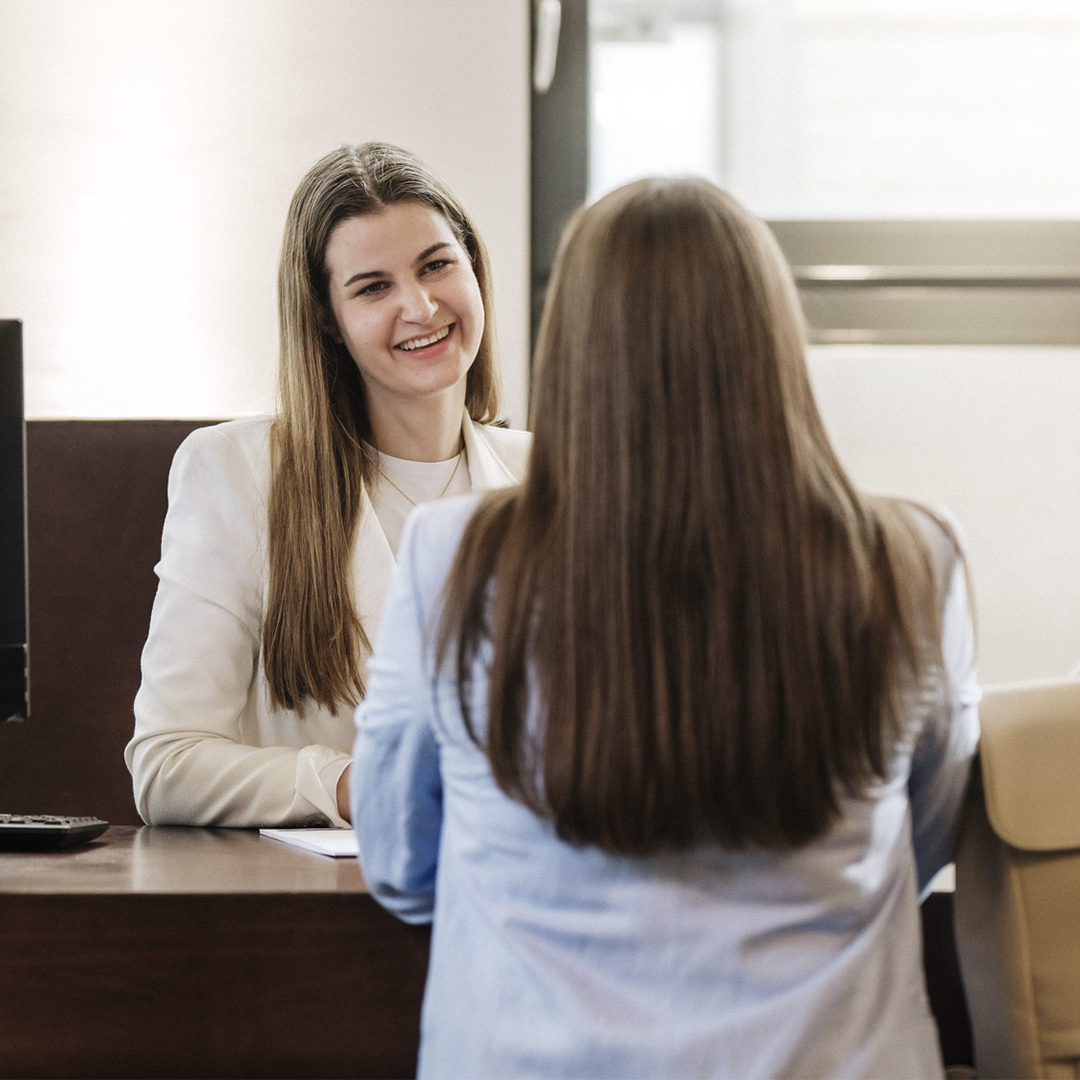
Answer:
[(148, 150), (992, 434)]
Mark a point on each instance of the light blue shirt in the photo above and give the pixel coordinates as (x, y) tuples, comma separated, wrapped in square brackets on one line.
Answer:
[(549, 960)]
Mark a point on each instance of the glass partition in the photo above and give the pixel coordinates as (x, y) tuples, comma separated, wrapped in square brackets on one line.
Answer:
[(821, 109)]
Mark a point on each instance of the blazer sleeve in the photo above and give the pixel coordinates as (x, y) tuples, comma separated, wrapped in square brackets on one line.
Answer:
[(188, 763), (397, 794)]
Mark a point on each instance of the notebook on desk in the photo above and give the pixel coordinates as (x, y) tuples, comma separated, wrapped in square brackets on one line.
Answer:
[(336, 842)]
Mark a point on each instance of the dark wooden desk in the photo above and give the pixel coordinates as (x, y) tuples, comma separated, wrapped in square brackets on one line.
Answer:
[(174, 952)]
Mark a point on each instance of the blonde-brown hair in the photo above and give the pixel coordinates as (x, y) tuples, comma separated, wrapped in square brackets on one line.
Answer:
[(312, 638), (718, 627)]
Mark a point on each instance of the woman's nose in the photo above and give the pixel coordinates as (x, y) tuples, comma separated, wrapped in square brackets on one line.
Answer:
[(417, 305)]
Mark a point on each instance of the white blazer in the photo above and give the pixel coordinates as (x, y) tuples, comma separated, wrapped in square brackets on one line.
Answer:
[(209, 748)]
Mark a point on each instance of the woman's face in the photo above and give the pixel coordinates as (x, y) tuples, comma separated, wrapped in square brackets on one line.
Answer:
[(406, 302)]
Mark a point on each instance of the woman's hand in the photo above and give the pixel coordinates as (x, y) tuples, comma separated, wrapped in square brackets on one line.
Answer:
[(343, 785)]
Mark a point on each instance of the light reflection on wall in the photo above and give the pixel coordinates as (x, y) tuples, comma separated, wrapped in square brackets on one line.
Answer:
[(125, 243), (149, 151), (843, 109), (655, 107)]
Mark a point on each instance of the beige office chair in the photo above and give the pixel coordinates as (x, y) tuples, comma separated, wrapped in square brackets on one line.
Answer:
[(1018, 884)]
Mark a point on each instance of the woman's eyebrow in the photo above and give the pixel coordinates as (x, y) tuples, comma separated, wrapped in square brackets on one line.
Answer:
[(428, 252), (365, 274)]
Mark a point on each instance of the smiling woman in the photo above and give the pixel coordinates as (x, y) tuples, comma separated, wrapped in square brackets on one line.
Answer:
[(281, 533)]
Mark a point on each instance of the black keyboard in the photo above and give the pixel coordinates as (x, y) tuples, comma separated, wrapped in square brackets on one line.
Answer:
[(47, 832)]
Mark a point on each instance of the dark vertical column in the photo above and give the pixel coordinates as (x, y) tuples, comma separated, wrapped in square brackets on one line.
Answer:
[(13, 622), (560, 146)]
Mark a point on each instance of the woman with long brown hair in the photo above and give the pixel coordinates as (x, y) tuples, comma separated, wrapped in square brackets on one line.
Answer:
[(281, 532), (668, 739)]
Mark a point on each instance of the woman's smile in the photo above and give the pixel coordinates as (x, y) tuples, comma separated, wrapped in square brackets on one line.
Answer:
[(424, 345)]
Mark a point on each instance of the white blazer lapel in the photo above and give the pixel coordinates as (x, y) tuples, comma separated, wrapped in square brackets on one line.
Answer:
[(486, 470)]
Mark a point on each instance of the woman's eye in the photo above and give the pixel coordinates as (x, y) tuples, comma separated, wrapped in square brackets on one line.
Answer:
[(437, 264), (373, 288)]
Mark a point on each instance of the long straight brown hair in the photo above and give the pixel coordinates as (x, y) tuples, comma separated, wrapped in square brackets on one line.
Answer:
[(719, 629), (312, 639)]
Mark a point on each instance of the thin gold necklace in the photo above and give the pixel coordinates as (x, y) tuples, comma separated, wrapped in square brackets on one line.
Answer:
[(446, 486)]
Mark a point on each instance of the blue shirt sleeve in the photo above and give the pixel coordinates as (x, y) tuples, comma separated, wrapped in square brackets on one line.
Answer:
[(397, 804), (943, 755)]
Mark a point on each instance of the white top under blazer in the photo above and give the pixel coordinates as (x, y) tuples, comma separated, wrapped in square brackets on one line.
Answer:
[(209, 748)]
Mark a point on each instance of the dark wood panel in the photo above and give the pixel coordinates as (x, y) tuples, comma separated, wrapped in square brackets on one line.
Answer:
[(246, 985), (111, 968), (96, 500)]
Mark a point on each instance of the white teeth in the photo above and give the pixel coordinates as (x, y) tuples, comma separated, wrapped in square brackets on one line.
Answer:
[(419, 343)]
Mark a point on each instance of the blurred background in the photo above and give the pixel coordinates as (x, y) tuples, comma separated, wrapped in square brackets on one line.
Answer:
[(918, 161)]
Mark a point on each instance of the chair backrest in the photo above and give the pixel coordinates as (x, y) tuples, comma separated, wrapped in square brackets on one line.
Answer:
[(1018, 883), (96, 500)]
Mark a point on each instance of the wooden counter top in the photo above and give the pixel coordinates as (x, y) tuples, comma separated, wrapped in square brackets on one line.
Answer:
[(127, 859)]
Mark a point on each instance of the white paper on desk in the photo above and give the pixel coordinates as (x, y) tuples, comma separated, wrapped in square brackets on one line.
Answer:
[(336, 842)]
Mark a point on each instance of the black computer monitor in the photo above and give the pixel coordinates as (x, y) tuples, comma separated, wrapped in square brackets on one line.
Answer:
[(14, 636)]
